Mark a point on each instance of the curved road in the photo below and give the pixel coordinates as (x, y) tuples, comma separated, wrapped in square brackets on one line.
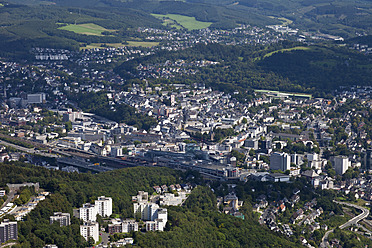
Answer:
[(353, 221)]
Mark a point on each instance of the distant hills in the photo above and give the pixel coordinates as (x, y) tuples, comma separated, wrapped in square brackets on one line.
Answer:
[(27, 23)]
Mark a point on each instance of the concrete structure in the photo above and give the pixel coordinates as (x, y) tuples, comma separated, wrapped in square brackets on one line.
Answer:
[(90, 229), (87, 213), (62, 218), (156, 218), (122, 226), (8, 231), (368, 159), (36, 98), (341, 164), (116, 151), (104, 206), (2, 193), (169, 199), (280, 161), (147, 211)]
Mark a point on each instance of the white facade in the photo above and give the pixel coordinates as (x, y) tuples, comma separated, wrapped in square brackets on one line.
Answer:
[(116, 151), (341, 164), (129, 226), (90, 229), (104, 206), (87, 213), (280, 161), (146, 210)]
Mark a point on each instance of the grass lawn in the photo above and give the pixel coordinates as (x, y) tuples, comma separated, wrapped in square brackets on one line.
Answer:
[(287, 50), (86, 28), (99, 45), (187, 22), (142, 43)]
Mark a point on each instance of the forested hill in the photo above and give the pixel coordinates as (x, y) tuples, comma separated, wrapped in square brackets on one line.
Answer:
[(197, 224), (285, 66)]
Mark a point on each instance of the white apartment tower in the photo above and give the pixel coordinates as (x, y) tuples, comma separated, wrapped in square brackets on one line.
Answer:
[(90, 229), (87, 213), (146, 210), (104, 206)]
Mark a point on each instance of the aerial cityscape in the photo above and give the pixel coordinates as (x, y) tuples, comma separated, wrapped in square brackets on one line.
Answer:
[(193, 123)]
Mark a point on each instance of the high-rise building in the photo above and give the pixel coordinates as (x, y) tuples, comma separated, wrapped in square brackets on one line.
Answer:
[(368, 159), (87, 213), (341, 164), (104, 206), (280, 161), (90, 229), (62, 218), (8, 230), (146, 210)]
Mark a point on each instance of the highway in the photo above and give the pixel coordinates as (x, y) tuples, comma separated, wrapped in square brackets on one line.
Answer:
[(356, 219), (353, 221), (28, 150)]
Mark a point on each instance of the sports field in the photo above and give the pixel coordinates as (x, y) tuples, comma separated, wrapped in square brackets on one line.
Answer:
[(187, 22), (86, 28)]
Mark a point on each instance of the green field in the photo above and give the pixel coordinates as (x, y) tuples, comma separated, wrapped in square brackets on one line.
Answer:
[(1, 5), (285, 21), (142, 43), (86, 28), (187, 22), (287, 50)]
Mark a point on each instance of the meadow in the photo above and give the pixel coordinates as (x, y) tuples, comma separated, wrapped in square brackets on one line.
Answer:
[(187, 22), (86, 28)]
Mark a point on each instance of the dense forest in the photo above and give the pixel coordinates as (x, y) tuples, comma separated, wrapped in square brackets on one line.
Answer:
[(197, 223), (284, 66)]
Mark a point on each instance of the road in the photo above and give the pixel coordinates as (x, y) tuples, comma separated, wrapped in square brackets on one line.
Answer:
[(353, 221), (10, 197), (356, 219), (8, 244), (105, 237), (28, 150)]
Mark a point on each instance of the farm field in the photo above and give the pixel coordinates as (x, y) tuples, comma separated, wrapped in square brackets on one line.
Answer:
[(86, 28), (187, 22)]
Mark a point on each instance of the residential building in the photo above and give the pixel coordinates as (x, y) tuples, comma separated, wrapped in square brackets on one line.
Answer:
[(62, 218), (104, 206), (341, 164), (8, 231), (122, 226), (87, 213), (90, 229), (368, 159), (280, 161), (147, 211)]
